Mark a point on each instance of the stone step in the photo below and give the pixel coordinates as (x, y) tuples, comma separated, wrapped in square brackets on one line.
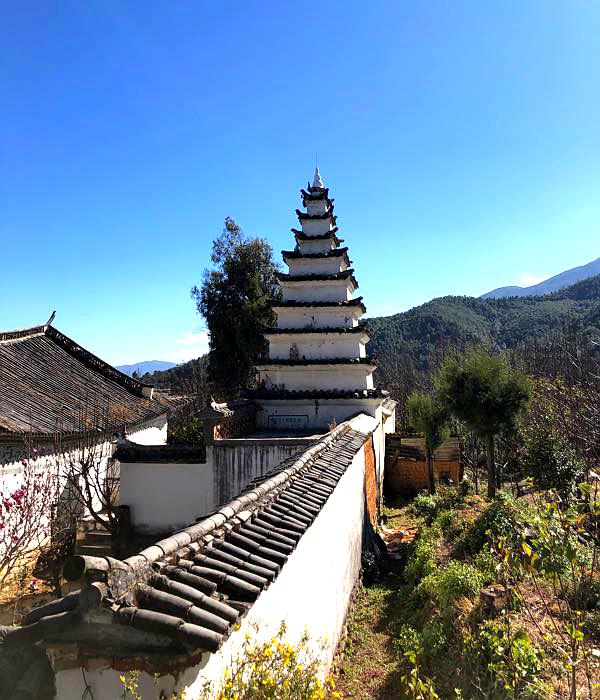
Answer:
[(95, 550), (97, 537)]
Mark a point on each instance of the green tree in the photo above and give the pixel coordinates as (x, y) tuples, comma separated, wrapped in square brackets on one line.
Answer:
[(427, 416), (235, 300), (486, 394)]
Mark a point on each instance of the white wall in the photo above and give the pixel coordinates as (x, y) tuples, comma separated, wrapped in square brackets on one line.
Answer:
[(316, 227), (316, 347), (312, 592), (312, 414), (320, 377), (318, 317), (164, 497), (153, 432), (316, 266), (309, 290), (319, 245)]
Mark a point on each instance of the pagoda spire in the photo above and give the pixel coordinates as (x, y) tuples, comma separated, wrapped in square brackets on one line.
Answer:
[(317, 181)]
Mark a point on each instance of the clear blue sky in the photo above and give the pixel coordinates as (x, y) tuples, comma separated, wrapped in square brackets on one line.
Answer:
[(461, 141)]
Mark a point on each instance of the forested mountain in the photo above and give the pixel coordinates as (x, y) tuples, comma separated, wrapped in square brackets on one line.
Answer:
[(418, 336), (459, 322), (553, 284)]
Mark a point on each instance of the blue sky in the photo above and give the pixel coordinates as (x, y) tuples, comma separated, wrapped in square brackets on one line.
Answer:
[(461, 142)]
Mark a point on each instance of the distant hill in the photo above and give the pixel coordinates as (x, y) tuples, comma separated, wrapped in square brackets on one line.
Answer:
[(146, 366), (498, 323), (564, 279)]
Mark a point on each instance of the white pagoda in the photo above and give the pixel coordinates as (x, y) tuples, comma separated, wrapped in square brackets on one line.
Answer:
[(317, 372)]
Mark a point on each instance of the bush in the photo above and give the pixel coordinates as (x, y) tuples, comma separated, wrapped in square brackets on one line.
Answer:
[(509, 659), (498, 519), (408, 639), (435, 638), (552, 462), (457, 580), (428, 506), (421, 561)]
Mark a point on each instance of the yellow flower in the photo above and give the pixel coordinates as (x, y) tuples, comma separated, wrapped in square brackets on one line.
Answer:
[(122, 679)]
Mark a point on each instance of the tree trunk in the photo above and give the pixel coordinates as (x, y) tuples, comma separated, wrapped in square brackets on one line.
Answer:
[(491, 468), (430, 475)]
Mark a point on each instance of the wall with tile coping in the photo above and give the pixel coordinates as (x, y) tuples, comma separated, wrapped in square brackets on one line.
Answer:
[(312, 592)]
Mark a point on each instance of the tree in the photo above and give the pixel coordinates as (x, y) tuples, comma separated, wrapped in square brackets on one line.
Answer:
[(235, 300), (427, 416), (486, 394), (25, 505)]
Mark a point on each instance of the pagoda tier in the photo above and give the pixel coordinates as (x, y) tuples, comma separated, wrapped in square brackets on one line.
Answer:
[(317, 351)]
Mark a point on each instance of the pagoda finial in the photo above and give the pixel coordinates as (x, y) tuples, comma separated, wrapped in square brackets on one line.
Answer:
[(317, 182)]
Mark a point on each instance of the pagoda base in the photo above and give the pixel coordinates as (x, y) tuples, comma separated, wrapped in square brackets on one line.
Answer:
[(312, 414)]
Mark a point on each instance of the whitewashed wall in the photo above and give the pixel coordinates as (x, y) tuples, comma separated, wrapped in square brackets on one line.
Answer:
[(316, 266), (323, 377), (316, 227), (328, 290), (312, 414), (312, 592), (153, 432), (164, 497), (316, 347), (319, 245), (319, 317)]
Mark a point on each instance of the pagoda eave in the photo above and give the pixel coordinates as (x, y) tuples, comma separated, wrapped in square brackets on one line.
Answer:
[(318, 362), (353, 330), (316, 394), (294, 303), (334, 253)]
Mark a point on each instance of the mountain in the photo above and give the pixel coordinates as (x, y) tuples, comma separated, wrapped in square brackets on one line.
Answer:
[(497, 323), (564, 279), (146, 366)]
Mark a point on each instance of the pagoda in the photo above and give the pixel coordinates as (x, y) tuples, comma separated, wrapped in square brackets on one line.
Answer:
[(317, 372)]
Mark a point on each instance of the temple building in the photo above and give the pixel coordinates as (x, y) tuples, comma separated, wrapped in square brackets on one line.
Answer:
[(317, 373)]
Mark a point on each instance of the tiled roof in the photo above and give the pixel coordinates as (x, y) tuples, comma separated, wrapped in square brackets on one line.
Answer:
[(50, 384), (303, 215), (294, 303), (183, 595), (132, 452), (311, 194), (334, 253), (344, 275), (301, 236), (360, 328), (286, 394), (287, 362)]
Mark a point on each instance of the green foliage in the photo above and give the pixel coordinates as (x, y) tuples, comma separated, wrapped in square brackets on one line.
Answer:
[(429, 506), (434, 637), (456, 580), (235, 301), (189, 433), (413, 684), (551, 461), (498, 519), (463, 322), (511, 660), (275, 670), (483, 391), (421, 561), (428, 417)]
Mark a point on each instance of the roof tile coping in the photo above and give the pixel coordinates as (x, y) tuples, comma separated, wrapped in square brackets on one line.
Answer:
[(140, 564)]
